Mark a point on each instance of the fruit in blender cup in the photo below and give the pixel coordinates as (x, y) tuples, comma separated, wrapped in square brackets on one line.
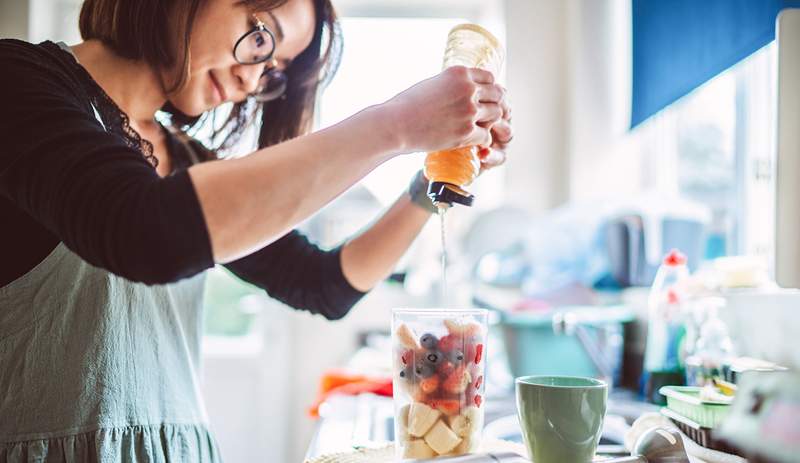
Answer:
[(406, 337), (466, 423), (429, 385), (446, 369), (433, 357), (469, 444), (421, 418), (450, 342), (458, 381), (465, 329), (441, 438), (456, 357), (402, 423), (424, 370), (428, 341), (417, 449), (447, 406), (475, 370), (478, 353), (407, 356)]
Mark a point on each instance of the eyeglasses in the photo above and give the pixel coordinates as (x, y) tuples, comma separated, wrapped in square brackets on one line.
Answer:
[(257, 46), (272, 83)]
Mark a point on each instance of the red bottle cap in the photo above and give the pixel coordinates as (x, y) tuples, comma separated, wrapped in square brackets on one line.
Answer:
[(674, 258)]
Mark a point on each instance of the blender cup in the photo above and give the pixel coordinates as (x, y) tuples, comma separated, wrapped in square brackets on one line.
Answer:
[(438, 365)]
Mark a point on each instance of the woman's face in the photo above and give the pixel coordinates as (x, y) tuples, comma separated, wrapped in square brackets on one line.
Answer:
[(214, 75)]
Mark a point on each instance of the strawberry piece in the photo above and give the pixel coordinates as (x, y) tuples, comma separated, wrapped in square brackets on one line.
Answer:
[(406, 356), (478, 382), (457, 381), (478, 353), (429, 385), (469, 352), (446, 369), (450, 342), (447, 406), (478, 400)]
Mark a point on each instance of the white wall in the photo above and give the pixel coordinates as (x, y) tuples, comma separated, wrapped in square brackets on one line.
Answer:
[(538, 78), (602, 160), (14, 19)]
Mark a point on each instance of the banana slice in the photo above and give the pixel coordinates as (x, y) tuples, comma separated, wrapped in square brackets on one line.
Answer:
[(441, 439), (464, 328), (469, 444), (402, 423), (420, 419), (468, 422), (407, 337), (417, 449)]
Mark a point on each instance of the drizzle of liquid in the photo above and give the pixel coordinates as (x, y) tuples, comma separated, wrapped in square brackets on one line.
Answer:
[(442, 211)]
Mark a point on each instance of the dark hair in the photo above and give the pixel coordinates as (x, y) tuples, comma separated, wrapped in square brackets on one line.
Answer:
[(158, 32), (292, 116)]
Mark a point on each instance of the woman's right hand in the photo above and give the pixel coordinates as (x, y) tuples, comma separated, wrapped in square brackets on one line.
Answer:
[(457, 107)]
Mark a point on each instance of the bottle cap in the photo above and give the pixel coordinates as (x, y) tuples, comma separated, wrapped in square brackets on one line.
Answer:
[(441, 192), (674, 258)]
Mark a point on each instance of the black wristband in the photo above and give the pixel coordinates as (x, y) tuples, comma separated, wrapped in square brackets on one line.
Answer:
[(418, 190)]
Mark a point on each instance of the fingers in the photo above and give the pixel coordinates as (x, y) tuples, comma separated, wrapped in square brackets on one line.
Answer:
[(506, 110), (479, 136), (493, 158), (481, 76), (502, 133), (488, 114), (490, 93)]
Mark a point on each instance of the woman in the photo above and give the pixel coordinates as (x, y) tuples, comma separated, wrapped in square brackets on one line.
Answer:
[(111, 218)]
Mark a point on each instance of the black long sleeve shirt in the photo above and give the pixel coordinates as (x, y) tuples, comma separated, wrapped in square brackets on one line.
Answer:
[(67, 177)]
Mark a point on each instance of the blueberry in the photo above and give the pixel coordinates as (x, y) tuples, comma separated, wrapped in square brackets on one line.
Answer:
[(455, 356), (433, 357), (406, 372), (424, 370), (428, 341)]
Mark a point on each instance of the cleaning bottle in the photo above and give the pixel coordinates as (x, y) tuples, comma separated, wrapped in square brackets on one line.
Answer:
[(451, 171), (665, 330), (712, 349)]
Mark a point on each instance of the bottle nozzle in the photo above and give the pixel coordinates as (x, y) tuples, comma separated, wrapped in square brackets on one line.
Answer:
[(444, 193)]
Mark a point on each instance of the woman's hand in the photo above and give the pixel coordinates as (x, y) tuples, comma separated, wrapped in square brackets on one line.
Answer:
[(502, 133), (459, 107)]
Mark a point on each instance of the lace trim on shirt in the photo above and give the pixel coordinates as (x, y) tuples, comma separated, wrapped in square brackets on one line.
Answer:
[(117, 121), (114, 118)]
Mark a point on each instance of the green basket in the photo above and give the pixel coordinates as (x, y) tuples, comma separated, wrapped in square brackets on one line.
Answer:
[(686, 401)]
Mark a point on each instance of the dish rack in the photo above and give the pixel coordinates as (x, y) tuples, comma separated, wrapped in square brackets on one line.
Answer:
[(695, 417)]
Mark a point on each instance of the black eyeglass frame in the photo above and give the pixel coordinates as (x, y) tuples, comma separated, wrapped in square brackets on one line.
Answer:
[(259, 27), (271, 72)]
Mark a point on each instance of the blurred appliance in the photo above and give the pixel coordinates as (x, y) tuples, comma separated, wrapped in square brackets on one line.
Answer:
[(630, 259), (571, 341), (787, 215)]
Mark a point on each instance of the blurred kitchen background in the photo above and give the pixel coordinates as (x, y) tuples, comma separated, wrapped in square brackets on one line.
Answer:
[(600, 183)]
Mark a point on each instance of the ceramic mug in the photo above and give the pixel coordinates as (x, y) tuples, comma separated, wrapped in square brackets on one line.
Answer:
[(561, 417)]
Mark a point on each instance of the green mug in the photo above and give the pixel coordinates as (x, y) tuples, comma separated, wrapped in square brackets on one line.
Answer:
[(561, 417)]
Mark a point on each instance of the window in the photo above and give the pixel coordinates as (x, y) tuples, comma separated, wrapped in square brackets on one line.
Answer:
[(383, 56), (716, 146)]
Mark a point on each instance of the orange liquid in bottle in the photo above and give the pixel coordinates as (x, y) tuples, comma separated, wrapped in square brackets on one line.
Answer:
[(459, 166), (454, 169)]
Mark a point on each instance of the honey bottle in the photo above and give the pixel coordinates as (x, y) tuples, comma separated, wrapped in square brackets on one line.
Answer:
[(451, 171)]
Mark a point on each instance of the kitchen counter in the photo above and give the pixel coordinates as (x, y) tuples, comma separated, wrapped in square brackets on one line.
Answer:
[(367, 420)]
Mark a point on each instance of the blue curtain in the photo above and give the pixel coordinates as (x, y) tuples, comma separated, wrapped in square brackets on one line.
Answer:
[(680, 44)]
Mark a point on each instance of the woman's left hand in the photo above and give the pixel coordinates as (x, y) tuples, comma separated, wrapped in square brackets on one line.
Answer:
[(502, 134)]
